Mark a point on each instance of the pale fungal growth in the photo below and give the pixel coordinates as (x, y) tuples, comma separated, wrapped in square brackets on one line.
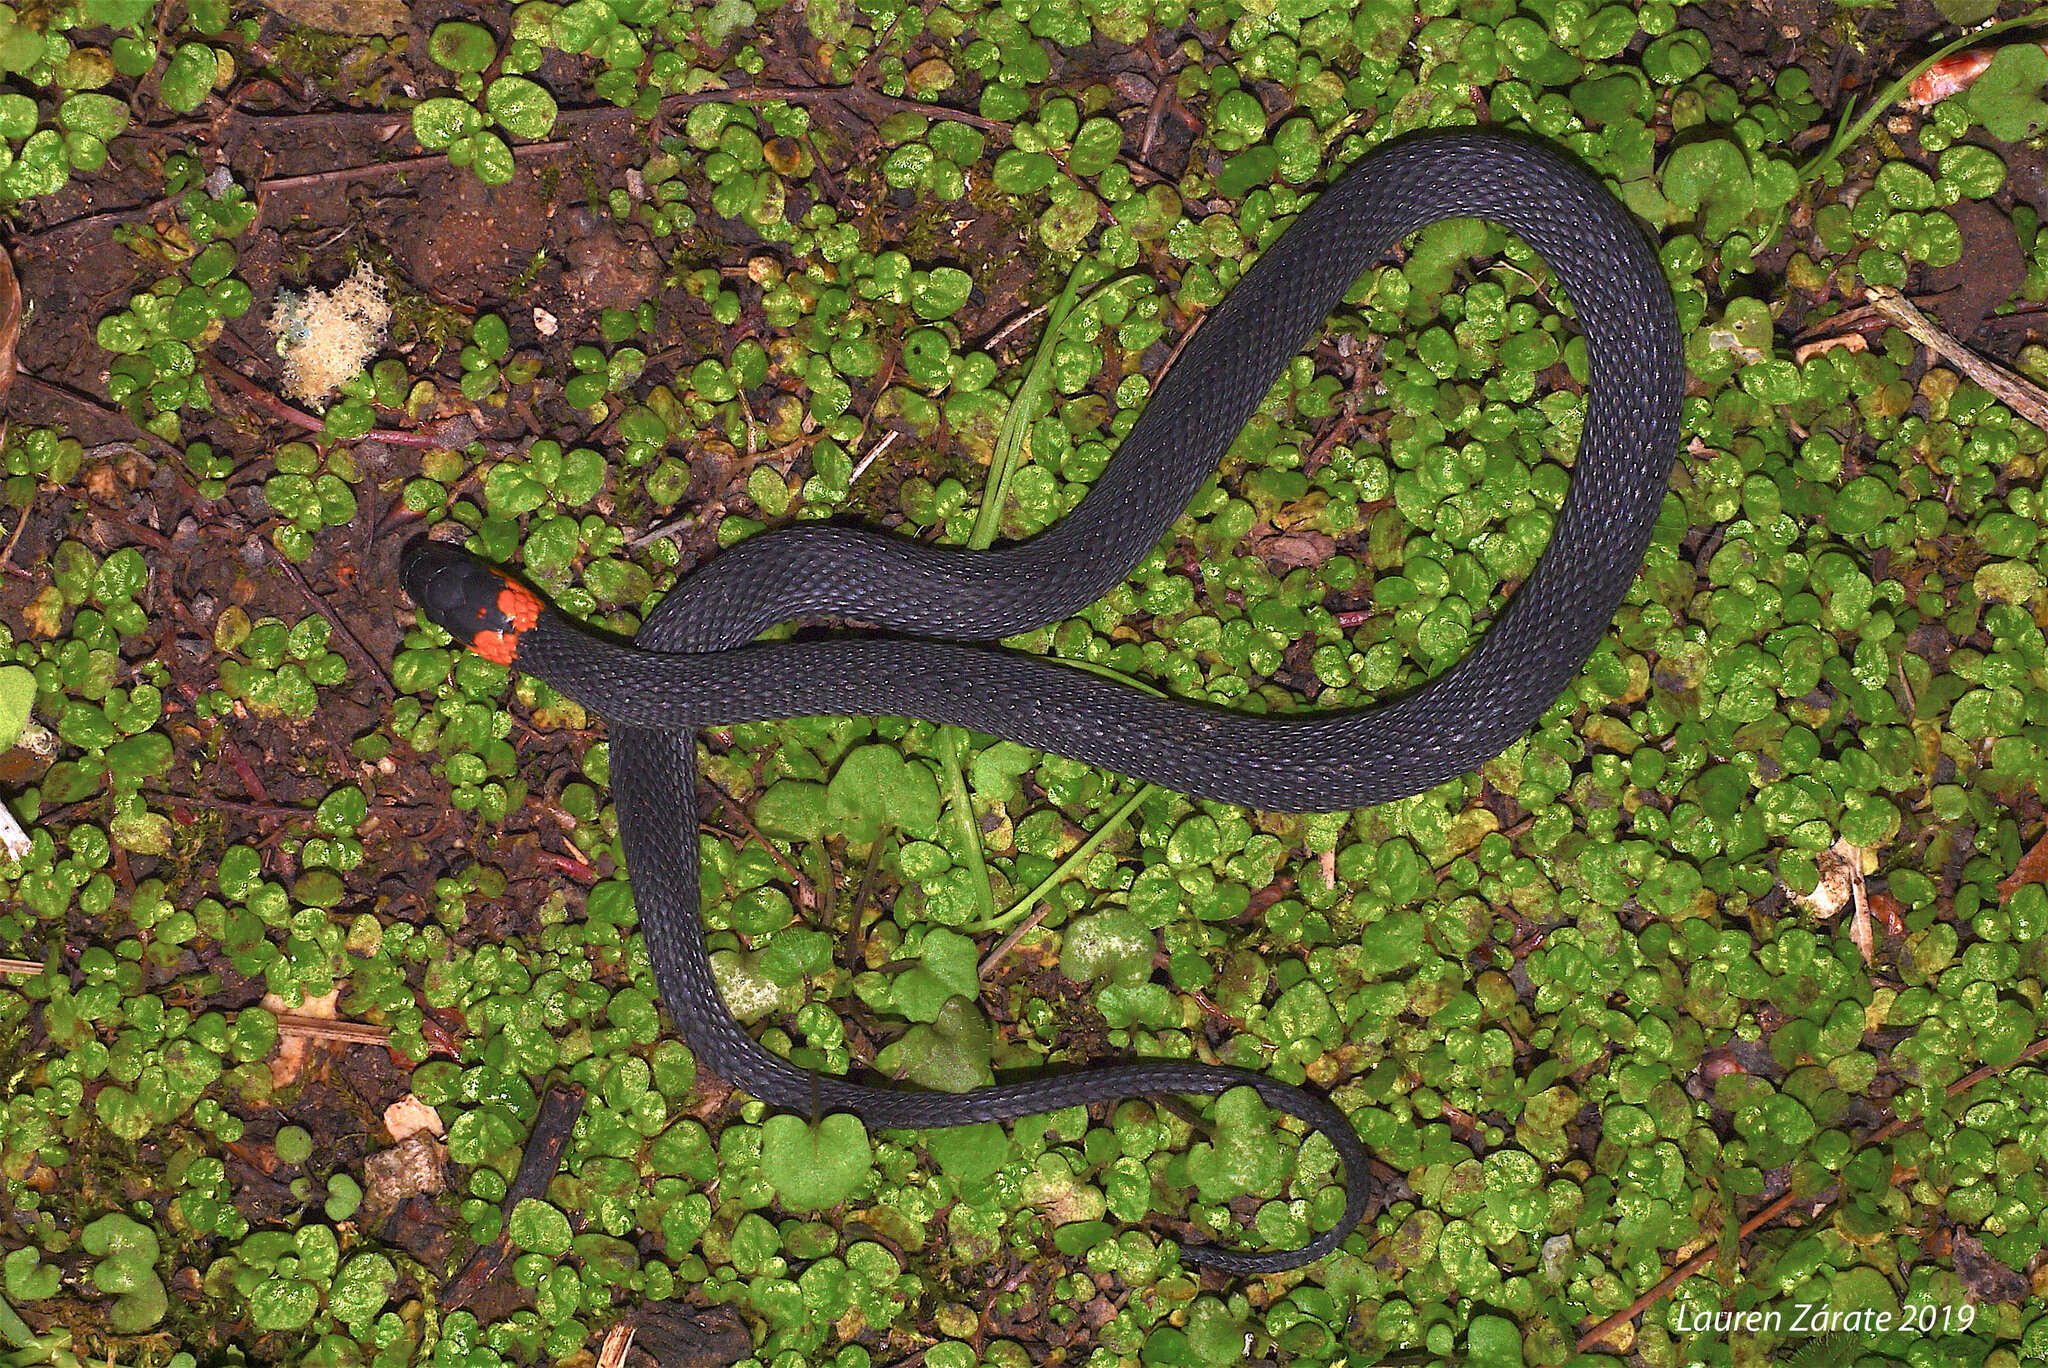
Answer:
[(328, 336)]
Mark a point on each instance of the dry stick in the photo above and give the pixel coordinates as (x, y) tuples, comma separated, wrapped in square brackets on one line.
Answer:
[(1008, 943), (888, 439), (1160, 96), (867, 66), (1896, 1126), (796, 876), (326, 1028), (143, 533), (2022, 395), (20, 526), (321, 606), (103, 218), (810, 95), (657, 533), (276, 185), (385, 168), (299, 418), (79, 399), (542, 1159), (262, 398), (1021, 320)]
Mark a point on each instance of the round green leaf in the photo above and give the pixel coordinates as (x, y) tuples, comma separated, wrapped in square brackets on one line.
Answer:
[(189, 77), (813, 1167), (462, 47), (522, 108), (539, 1228)]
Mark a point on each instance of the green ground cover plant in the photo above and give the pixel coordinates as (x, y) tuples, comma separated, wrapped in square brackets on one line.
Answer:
[(1719, 993)]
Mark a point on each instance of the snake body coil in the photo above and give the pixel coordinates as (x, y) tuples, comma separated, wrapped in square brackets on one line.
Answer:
[(691, 666)]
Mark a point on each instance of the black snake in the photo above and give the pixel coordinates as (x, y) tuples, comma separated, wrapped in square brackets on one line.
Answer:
[(691, 664)]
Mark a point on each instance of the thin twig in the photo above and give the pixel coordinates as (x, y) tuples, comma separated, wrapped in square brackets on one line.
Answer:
[(796, 876), (1160, 96), (82, 400), (325, 1028), (1022, 320), (274, 186), (861, 467), (15, 843), (300, 418), (149, 536), (2020, 394), (655, 534), (14, 538), (321, 606), (375, 170), (262, 398), (1008, 943), (843, 95)]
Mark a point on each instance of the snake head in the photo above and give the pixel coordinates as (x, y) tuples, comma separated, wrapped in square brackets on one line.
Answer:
[(479, 605)]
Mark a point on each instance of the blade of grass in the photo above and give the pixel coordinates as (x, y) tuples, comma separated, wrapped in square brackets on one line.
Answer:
[(1025, 410), (952, 743), (1065, 869)]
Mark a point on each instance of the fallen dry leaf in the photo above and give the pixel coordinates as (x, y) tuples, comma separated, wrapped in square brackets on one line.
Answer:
[(1293, 550), (1842, 870), (1984, 1274), (2032, 868), (409, 1116), (10, 325), (292, 1045), (358, 18), (1855, 342)]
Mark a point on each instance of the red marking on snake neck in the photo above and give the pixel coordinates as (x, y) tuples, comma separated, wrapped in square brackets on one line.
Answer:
[(519, 606), (519, 609), (496, 647)]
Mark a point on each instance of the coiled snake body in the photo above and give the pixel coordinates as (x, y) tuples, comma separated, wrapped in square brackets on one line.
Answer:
[(690, 666)]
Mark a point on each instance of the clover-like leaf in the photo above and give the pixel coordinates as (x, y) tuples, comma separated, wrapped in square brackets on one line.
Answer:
[(947, 968), (970, 1154), (119, 1237), (1494, 1342), (950, 1055), (877, 789), (461, 46), (362, 1288), (536, 1226), (817, 1166), (522, 108), (136, 1311), (1712, 180), (189, 77), (440, 121), (283, 1304), (1244, 1157), (28, 1278), (1115, 945)]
